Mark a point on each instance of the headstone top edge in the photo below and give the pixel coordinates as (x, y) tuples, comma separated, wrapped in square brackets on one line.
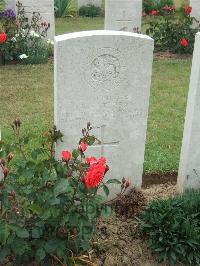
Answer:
[(64, 37)]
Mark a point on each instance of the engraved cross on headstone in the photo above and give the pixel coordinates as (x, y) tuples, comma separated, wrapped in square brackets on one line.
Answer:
[(124, 20), (102, 144)]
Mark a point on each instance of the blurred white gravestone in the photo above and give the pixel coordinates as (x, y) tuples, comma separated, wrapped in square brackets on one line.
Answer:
[(123, 15), (104, 77), (89, 2), (195, 9), (189, 167), (44, 7)]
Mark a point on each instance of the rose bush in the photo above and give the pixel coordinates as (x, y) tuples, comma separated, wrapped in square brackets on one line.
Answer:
[(158, 5), (49, 206), (174, 33)]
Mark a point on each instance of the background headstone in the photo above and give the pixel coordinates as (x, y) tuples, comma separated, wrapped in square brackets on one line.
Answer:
[(195, 9), (45, 7), (189, 168), (89, 2), (104, 77), (123, 15)]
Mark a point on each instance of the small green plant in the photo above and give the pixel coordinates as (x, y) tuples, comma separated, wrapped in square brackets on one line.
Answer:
[(90, 11), (49, 206), (173, 33), (172, 228), (61, 7), (158, 5)]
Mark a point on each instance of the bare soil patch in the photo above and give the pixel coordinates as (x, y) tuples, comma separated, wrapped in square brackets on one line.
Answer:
[(117, 242), (168, 55)]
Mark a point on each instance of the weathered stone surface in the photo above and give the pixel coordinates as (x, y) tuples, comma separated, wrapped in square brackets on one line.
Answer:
[(195, 9), (189, 168), (104, 77), (89, 2), (44, 7), (123, 15)]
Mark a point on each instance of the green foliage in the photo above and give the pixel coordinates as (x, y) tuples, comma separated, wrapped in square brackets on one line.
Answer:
[(169, 30), (61, 7), (2, 5), (47, 211), (149, 5), (90, 11), (172, 227)]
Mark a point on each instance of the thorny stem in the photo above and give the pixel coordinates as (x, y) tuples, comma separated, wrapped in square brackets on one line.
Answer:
[(57, 259), (118, 196)]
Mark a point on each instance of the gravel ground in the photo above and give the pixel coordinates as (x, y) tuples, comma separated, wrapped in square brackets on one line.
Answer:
[(116, 242)]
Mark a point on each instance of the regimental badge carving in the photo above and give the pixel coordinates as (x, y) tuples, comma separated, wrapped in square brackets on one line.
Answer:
[(105, 68)]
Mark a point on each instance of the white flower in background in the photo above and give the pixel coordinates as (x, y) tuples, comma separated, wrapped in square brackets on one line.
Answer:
[(17, 35), (23, 56), (13, 39), (34, 34), (49, 41)]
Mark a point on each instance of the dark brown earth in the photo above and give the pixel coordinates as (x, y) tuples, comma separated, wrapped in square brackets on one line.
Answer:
[(117, 242), (168, 55)]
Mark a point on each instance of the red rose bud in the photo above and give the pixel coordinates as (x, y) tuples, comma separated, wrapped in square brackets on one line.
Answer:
[(2, 162), (3, 37), (82, 147), (66, 156), (154, 12), (184, 42), (166, 8), (123, 180), (107, 169), (188, 10), (10, 156), (5, 172), (127, 184), (13, 194)]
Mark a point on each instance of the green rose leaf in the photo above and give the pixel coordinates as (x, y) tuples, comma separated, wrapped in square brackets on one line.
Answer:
[(106, 211), (62, 187), (22, 232), (113, 181), (40, 254)]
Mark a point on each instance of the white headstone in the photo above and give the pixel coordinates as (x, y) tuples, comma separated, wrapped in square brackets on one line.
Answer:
[(195, 9), (189, 167), (123, 15), (104, 77), (89, 2), (44, 7)]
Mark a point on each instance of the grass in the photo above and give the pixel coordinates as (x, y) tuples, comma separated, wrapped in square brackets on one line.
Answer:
[(65, 25), (169, 89), (27, 92)]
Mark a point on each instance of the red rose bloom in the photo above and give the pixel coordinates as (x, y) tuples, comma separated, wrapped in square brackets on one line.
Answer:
[(154, 12), (188, 10), (96, 171), (66, 156), (3, 37), (184, 42), (94, 176), (82, 147), (93, 160)]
